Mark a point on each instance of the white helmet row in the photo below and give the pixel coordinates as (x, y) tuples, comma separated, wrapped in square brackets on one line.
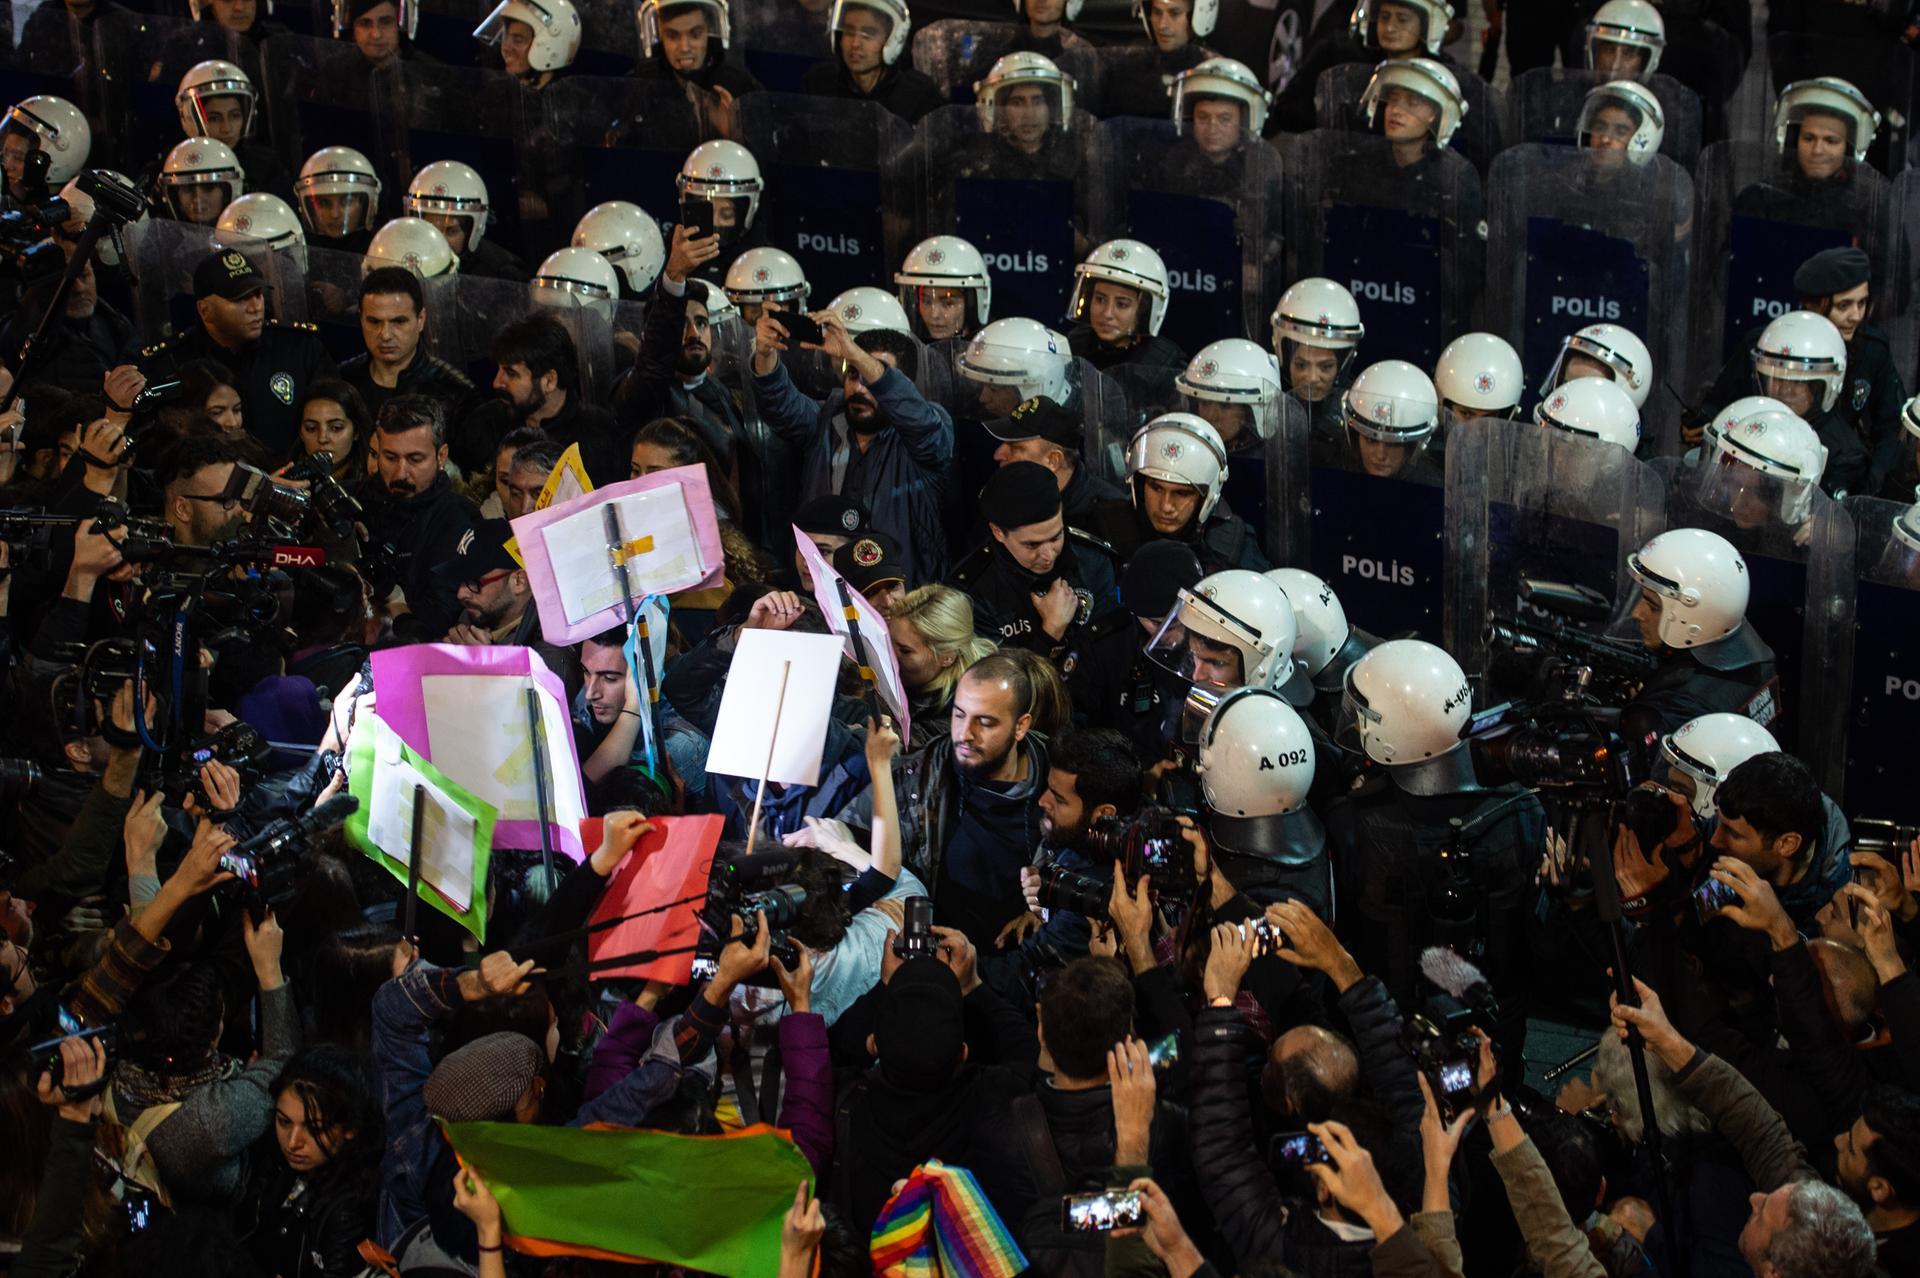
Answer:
[(1024, 68), (414, 243), (571, 277), (1234, 370), (1634, 23), (1021, 353), (204, 81), (946, 261), (1393, 402), (1409, 700), (1649, 117), (1221, 78), (1129, 263), (1623, 354), (1710, 746), (1435, 15), (899, 20), (1593, 408), (722, 170), (1320, 622), (1201, 17), (767, 275), (1702, 583), (651, 13), (1426, 79), (866, 309), (1802, 346), (1179, 448), (201, 162), (1827, 95), (58, 128), (337, 171), (1256, 756), (452, 189), (555, 24), (627, 236), (1481, 372), (1238, 609)]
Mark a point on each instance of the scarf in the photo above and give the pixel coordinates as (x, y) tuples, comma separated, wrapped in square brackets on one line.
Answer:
[(143, 1088), (941, 1224)]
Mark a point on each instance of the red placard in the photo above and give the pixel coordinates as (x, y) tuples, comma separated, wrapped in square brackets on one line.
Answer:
[(669, 864)]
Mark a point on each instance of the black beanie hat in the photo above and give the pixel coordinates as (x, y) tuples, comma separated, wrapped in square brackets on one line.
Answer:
[(1018, 494)]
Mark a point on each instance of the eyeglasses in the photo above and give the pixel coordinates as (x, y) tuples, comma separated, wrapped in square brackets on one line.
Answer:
[(480, 584)]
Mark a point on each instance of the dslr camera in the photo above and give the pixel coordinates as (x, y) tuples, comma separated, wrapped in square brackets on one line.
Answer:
[(1151, 842), (741, 887), (1441, 1041)]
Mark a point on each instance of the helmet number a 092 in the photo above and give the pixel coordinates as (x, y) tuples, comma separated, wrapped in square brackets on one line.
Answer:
[(1285, 759)]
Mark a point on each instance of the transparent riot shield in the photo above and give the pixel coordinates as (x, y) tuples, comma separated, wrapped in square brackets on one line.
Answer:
[(832, 172), (625, 139), (1025, 209), (589, 323), (1577, 236), (1527, 502), (1883, 705), (1760, 218), (1798, 544), (1376, 523), (610, 38), (324, 93), (780, 40), (333, 300), (1268, 486), (958, 54), (465, 314), (1215, 220), (1882, 69), (1408, 242), (486, 120), (99, 65), (164, 254), (1336, 105), (760, 464), (1544, 104)]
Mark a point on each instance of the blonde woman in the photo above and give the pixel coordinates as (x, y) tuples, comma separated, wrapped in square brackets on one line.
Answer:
[(934, 640)]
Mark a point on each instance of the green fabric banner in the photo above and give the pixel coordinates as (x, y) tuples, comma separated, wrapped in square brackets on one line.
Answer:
[(711, 1203)]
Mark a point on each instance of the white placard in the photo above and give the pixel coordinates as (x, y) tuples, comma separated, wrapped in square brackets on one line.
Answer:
[(878, 640), (583, 572), (478, 725), (446, 831), (811, 665)]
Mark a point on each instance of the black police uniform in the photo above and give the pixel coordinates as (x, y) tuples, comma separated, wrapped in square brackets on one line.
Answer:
[(1848, 459), (272, 374), (425, 374), (1144, 87), (1871, 398), (75, 354), (1085, 490), (1224, 541), (491, 261), (1002, 591), (907, 93), (717, 74), (1733, 675)]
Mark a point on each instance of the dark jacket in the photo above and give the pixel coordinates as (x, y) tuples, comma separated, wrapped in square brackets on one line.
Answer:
[(907, 93), (491, 261), (425, 374), (717, 74), (1151, 352), (1733, 674), (1224, 541), (902, 477), (1003, 591), (273, 374), (75, 354), (423, 530)]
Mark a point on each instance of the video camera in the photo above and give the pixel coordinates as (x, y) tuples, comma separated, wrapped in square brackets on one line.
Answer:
[(29, 249), (1151, 842), (1889, 839), (738, 887), (1440, 1035), (269, 865), (1559, 635)]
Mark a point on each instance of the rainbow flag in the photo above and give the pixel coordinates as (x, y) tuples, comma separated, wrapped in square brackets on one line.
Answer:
[(710, 1203), (941, 1226)]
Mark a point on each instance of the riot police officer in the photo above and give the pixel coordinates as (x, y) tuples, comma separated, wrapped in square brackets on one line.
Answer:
[(686, 42), (1176, 467), (453, 197), (946, 289), (1800, 359), (1479, 375), (273, 364), (1042, 431), (1592, 409), (1175, 28), (198, 179), (338, 197), (1692, 614), (1035, 579), (1604, 350), (216, 100), (1625, 39), (413, 243), (1256, 763), (1025, 107), (1316, 329), (867, 39), (1118, 304), (1835, 283), (627, 236), (1326, 644), (1390, 415)]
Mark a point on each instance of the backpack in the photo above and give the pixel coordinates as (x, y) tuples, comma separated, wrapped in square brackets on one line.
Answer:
[(127, 1149)]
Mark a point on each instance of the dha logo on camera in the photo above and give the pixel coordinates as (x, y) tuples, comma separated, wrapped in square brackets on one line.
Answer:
[(299, 557)]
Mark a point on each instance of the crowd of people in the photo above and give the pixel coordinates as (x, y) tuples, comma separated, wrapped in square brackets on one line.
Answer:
[(1188, 911)]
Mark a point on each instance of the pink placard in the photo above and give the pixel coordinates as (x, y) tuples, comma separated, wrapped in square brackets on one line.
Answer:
[(540, 575), (397, 678), (827, 585)]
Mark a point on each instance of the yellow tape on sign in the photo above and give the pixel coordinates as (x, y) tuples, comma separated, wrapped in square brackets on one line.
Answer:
[(866, 673), (638, 546), (849, 612)]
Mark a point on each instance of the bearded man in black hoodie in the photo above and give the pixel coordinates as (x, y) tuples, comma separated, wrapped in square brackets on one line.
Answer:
[(414, 509)]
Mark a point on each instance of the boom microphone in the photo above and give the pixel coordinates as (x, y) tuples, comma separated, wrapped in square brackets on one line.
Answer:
[(1459, 978)]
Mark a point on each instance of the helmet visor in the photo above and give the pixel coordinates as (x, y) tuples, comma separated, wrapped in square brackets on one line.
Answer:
[(1244, 416), (1749, 496), (332, 209), (1203, 644)]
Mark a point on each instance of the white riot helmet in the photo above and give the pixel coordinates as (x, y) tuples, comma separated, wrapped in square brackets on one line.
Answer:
[(1022, 353), (1393, 402), (414, 243), (1319, 620), (1623, 354), (1024, 68), (1129, 263), (406, 16), (651, 13), (449, 188), (1634, 23), (1435, 15), (263, 219), (900, 22), (1702, 583), (213, 79), (1073, 9), (1827, 95), (1201, 17), (1780, 445), (627, 236), (1317, 312), (722, 170), (555, 24), (1234, 370), (867, 309), (1739, 410), (1909, 416), (720, 308), (1425, 79), (1255, 758), (200, 162), (1221, 78), (1237, 609), (1906, 525), (767, 275), (58, 128), (1802, 346), (337, 171), (576, 277), (1710, 746), (1482, 372), (1649, 118), (946, 261), (1409, 700), (1179, 448), (1594, 408)]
